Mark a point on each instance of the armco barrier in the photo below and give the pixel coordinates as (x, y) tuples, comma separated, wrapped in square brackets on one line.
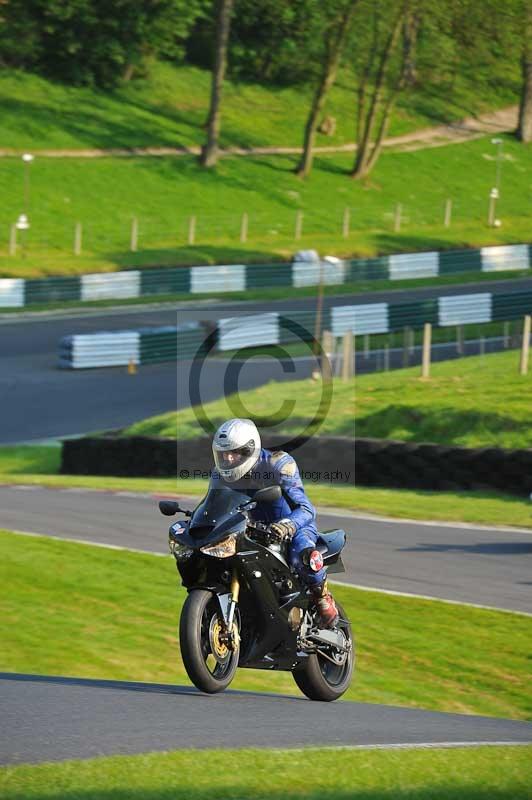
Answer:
[(169, 343), (144, 346), (367, 462), (17, 293)]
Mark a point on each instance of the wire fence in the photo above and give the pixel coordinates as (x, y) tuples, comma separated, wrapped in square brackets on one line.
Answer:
[(142, 232)]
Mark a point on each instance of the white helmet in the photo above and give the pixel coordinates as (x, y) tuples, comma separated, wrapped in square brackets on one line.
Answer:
[(236, 448)]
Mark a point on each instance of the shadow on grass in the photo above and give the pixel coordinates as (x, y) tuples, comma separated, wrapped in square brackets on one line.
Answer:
[(220, 790), (193, 255), (443, 425), (401, 242)]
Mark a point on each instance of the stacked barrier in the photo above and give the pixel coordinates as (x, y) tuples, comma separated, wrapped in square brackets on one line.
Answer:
[(214, 280), (121, 348), (150, 345)]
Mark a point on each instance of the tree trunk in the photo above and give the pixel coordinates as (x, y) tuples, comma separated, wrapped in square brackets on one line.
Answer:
[(362, 87), (128, 72), (334, 45), (411, 31), (209, 153), (363, 149), (524, 127)]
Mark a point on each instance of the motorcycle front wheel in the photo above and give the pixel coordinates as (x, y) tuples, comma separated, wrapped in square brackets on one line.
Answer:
[(209, 662), (321, 679)]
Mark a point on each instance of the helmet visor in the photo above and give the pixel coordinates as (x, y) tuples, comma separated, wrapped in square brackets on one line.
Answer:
[(231, 459)]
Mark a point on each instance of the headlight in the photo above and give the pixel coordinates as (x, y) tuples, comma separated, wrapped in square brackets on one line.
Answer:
[(223, 549), (180, 551)]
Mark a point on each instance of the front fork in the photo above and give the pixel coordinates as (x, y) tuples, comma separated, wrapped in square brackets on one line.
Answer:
[(228, 604)]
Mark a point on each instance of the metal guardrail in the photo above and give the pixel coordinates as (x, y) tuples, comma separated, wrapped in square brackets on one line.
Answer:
[(121, 348), (17, 292), (151, 345)]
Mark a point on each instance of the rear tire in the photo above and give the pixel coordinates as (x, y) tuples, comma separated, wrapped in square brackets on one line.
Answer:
[(320, 679), (206, 665)]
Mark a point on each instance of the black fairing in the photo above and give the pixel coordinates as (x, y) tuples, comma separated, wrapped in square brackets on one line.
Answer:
[(269, 589), (217, 511)]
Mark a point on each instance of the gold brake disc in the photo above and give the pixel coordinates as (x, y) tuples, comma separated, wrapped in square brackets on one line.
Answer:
[(218, 646), (218, 640)]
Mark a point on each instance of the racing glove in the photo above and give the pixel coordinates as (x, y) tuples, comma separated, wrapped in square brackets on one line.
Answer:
[(282, 529)]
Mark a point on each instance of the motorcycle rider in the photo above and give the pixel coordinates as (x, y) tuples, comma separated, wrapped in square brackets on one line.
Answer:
[(246, 466)]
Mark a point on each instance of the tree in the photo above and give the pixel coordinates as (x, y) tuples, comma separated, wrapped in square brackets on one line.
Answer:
[(524, 126), (338, 19), (92, 41), (209, 154), (383, 77)]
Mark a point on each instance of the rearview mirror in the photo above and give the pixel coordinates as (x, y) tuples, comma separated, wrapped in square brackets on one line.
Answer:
[(268, 495), (168, 507)]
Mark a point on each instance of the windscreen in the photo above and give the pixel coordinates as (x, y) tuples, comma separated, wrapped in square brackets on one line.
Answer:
[(219, 501)]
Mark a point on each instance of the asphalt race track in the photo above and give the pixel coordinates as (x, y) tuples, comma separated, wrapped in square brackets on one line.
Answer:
[(463, 564), (39, 401), (50, 719)]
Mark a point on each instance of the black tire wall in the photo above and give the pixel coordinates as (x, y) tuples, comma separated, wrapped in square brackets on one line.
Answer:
[(339, 460)]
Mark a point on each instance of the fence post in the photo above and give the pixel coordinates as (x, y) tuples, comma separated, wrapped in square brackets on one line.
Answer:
[(505, 334), (348, 351), (299, 225), (77, 238), (192, 230), (13, 240), (459, 339), (406, 345), (345, 223), (525, 346), (366, 346), (397, 221), (134, 238), (427, 338), (448, 212), (244, 227), (328, 351)]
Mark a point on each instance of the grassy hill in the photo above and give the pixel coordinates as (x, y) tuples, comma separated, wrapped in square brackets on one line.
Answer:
[(104, 194), (474, 402), (169, 108)]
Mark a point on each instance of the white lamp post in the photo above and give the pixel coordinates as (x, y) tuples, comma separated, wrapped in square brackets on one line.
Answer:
[(23, 222), (495, 192)]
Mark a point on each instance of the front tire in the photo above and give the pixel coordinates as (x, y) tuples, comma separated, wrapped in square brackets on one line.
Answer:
[(210, 665), (320, 679)]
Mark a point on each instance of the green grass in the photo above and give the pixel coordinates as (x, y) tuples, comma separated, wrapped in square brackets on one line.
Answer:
[(476, 401), (484, 773), (113, 614), (305, 396), (104, 194), (169, 108)]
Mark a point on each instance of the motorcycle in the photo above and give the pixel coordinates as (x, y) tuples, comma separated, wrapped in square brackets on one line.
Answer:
[(246, 606)]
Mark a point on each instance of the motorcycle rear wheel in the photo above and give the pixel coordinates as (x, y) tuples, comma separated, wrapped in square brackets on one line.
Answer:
[(320, 679), (210, 665)]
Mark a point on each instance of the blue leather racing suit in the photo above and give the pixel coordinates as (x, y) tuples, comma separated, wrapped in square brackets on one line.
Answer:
[(279, 469)]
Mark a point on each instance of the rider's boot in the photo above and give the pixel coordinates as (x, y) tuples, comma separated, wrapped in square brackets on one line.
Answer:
[(324, 602)]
